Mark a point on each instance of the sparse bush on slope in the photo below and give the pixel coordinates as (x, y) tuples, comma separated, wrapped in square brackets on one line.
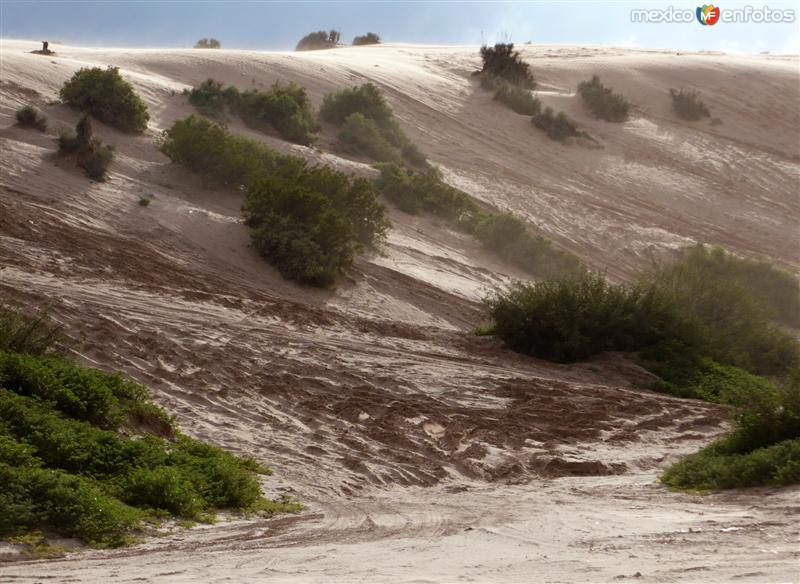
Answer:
[(286, 108), (30, 117), (108, 97), (503, 62), (205, 43), (602, 102), (519, 100), (374, 114), (503, 234), (91, 154), (688, 105), (318, 40), (368, 39), (558, 126), (74, 459), (308, 222)]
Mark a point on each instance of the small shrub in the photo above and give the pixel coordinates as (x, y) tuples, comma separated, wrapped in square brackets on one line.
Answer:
[(602, 102), (108, 97), (361, 135), (368, 101), (144, 202), (92, 155), (368, 39), (205, 43), (519, 100), (318, 40), (503, 62), (30, 117), (557, 126), (211, 97), (688, 105)]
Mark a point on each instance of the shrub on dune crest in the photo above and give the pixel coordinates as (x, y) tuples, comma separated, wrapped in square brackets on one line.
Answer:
[(108, 97), (368, 39), (315, 41), (205, 43)]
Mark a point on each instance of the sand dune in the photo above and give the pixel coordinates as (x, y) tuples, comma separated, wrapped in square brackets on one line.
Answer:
[(424, 454)]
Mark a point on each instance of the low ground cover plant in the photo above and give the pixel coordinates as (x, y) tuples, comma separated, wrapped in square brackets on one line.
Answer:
[(687, 105), (557, 126), (86, 454), (30, 117)]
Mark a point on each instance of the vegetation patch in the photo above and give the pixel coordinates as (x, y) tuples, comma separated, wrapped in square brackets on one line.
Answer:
[(315, 41), (705, 327), (367, 39), (687, 105), (284, 108), (308, 222), (602, 101), (374, 131), (30, 117), (558, 126), (502, 233), (519, 100), (502, 62), (205, 43), (91, 154), (76, 457), (108, 97)]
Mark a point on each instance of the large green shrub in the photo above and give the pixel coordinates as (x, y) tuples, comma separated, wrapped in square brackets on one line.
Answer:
[(30, 117), (602, 101), (503, 62), (108, 97), (368, 101), (557, 126), (688, 105), (361, 135), (307, 221)]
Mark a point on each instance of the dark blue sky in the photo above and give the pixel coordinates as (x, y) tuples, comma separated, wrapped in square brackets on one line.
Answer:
[(278, 25)]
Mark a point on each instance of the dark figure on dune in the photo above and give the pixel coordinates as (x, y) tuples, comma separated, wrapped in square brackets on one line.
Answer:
[(45, 44)]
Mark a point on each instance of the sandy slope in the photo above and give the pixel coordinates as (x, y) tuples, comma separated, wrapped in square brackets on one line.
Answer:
[(423, 454)]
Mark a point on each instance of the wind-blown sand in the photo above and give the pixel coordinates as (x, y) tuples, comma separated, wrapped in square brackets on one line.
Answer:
[(423, 454)]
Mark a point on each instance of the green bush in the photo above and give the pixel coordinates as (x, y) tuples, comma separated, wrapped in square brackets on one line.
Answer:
[(315, 41), (688, 105), (557, 126), (92, 155), (503, 62), (361, 136), (368, 101), (108, 97), (32, 335), (519, 100), (308, 222), (205, 43), (286, 108), (30, 117), (368, 39), (602, 102)]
